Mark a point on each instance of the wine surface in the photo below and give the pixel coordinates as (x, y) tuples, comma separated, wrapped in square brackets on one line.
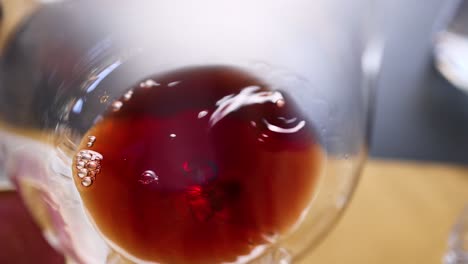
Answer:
[(198, 165)]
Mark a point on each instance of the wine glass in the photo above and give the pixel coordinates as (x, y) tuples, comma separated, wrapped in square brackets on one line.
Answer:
[(187, 132)]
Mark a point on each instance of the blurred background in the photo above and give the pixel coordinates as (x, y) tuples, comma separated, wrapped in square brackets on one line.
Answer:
[(420, 130), (419, 114)]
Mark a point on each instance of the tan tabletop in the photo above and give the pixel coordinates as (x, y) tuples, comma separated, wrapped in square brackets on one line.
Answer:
[(401, 213)]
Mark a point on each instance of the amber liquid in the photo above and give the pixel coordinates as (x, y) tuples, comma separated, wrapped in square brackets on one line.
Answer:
[(199, 165)]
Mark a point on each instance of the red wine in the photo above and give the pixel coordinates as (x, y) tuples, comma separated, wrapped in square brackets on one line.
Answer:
[(198, 165)]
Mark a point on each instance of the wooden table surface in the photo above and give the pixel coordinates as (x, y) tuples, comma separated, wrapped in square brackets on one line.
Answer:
[(401, 213)]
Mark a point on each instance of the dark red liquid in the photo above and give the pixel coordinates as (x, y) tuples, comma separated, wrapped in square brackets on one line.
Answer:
[(200, 165)]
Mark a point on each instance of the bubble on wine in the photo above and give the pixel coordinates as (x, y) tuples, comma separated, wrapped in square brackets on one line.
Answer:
[(91, 140), (149, 84), (116, 106), (88, 165), (87, 181), (128, 95), (148, 177)]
